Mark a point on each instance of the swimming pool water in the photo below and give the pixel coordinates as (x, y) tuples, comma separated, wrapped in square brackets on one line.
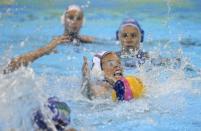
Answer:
[(173, 95)]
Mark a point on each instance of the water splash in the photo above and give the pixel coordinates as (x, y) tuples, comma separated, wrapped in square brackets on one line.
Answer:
[(165, 102), (88, 2), (20, 94)]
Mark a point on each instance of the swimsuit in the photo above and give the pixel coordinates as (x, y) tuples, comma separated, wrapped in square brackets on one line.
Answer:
[(133, 60)]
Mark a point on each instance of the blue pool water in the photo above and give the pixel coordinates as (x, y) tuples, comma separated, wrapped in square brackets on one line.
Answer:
[(173, 94)]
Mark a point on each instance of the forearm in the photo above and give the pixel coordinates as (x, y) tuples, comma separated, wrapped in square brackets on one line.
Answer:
[(30, 57), (25, 59), (86, 88), (86, 39)]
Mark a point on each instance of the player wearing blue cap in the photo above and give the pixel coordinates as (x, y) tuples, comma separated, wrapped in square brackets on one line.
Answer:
[(54, 116), (131, 35)]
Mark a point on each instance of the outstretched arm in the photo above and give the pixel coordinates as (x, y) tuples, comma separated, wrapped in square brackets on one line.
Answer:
[(90, 39), (86, 39), (25, 59)]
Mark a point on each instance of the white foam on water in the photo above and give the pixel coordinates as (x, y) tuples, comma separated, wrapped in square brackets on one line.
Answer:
[(21, 93)]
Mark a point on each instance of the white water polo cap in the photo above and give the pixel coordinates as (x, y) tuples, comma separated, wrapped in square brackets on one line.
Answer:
[(97, 71), (70, 8)]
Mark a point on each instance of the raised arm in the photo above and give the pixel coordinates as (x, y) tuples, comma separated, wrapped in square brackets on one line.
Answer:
[(92, 89), (86, 89), (27, 58)]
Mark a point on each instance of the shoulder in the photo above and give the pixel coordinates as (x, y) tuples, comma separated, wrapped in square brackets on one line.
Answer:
[(86, 39)]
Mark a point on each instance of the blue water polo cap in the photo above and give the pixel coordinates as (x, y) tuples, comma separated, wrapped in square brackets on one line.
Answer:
[(60, 113)]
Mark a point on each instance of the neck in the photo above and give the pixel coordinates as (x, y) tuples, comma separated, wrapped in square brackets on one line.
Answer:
[(129, 50), (110, 81), (73, 35)]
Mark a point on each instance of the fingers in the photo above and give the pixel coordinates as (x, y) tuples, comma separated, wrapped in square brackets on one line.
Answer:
[(14, 65), (85, 64), (85, 68), (62, 39)]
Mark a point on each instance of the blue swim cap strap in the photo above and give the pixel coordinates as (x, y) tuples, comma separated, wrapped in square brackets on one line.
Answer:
[(119, 89)]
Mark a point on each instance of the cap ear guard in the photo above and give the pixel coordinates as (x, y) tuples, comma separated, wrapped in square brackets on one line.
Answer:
[(140, 29), (142, 35), (97, 69), (117, 35)]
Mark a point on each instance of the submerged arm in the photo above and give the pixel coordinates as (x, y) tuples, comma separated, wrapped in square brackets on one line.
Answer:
[(25, 59)]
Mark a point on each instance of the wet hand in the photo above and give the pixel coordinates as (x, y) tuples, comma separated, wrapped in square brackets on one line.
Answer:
[(15, 64), (61, 39)]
